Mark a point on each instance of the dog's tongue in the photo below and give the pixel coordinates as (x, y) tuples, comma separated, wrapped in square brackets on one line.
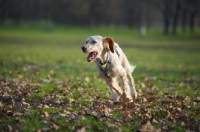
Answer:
[(91, 56)]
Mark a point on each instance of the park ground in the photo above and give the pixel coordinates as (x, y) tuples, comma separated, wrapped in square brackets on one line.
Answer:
[(46, 84)]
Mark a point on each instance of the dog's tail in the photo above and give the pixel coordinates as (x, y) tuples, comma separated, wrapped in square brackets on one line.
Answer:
[(132, 67)]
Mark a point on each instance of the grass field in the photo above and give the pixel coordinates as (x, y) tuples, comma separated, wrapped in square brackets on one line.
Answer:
[(46, 84)]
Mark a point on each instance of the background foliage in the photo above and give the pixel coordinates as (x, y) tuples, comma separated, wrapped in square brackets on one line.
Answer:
[(169, 14)]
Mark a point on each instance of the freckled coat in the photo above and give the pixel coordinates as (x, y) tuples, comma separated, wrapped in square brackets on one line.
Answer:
[(111, 63)]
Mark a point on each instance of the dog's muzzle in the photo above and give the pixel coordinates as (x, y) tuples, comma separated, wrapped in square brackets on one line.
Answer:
[(84, 49)]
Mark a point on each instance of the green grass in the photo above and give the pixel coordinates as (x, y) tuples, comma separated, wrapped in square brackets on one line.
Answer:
[(49, 68)]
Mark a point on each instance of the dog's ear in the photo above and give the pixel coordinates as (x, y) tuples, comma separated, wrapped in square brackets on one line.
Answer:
[(108, 42)]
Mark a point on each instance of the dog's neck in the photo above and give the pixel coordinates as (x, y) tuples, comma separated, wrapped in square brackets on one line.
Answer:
[(102, 60), (104, 63)]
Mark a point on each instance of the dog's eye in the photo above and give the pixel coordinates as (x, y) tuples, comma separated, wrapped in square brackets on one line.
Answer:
[(86, 42), (93, 41)]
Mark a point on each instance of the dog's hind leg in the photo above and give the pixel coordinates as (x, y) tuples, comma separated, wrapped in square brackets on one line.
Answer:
[(132, 86), (126, 89), (129, 69)]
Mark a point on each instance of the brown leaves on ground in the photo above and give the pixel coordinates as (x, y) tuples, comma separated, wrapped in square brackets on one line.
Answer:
[(148, 128), (152, 112)]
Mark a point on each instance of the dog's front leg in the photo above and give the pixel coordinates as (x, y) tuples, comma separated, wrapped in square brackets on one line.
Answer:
[(114, 88), (115, 96)]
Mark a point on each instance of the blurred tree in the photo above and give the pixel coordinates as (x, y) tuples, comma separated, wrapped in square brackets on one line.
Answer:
[(192, 6), (171, 10), (130, 13), (183, 15), (176, 13), (96, 12), (143, 18), (3, 4), (166, 8)]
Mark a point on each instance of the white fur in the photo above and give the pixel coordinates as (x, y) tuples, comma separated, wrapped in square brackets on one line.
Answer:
[(119, 67)]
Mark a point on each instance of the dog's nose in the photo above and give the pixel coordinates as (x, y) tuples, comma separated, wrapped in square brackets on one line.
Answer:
[(83, 48)]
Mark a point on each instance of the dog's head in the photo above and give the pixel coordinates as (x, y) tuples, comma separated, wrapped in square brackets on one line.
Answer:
[(95, 45)]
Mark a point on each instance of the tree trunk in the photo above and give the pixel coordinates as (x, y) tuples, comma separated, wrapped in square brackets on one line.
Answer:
[(166, 23), (166, 15), (143, 18), (184, 15), (176, 16), (2, 11), (192, 17), (183, 20)]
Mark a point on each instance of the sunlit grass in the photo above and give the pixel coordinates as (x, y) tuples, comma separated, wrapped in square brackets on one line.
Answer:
[(53, 58)]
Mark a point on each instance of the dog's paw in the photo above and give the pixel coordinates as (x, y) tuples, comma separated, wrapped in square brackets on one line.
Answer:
[(126, 98), (135, 95), (116, 99)]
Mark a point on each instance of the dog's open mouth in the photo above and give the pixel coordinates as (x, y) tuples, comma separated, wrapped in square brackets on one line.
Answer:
[(92, 56)]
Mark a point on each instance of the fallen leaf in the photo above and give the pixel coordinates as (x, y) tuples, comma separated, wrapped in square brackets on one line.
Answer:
[(13, 128), (87, 79), (148, 128), (197, 99), (9, 113), (45, 129), (54, 126), (1, 105), (80, 129), (182, 123), (152, 98), (9, 128), (63, 115), (154, 120), (17, 114), (44, 121), (46, 114)]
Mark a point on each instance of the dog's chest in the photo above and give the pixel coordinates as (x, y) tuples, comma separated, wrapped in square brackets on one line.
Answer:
[(106, 71)]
